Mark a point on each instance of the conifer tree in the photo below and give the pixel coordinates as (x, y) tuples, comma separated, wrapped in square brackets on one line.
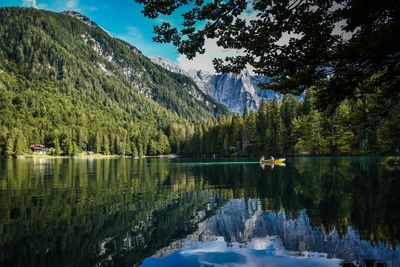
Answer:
[(127, 147), (10, 145), (135, 152), (249, 133), (75, 149), (235, 140), (98, 143), (106, 145), (83, 138), (141, 152), (20, 144), (57, 148)]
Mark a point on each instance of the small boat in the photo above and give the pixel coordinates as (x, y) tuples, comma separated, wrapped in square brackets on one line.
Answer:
[(272, 165), (272, 161)]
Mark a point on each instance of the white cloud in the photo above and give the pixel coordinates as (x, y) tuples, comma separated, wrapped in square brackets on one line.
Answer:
[(204, 61), (71, 4), (29, 3), (62, 5), (42, 6)]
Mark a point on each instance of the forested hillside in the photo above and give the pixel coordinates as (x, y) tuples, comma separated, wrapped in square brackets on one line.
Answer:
[(293, 127), (67, 84), (70, 85)]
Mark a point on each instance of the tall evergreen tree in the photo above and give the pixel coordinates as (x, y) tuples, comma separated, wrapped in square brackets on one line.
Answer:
[(21, 145), (98, 143)]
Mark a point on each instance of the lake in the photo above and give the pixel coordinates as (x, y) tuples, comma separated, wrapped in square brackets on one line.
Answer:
[(177, 212)]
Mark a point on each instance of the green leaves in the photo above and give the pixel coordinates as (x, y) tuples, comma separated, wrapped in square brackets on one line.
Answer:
[(294, 127), (337, 45), (72, 87)]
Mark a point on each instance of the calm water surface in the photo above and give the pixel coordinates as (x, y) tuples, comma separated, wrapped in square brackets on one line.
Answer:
[(161, 212)]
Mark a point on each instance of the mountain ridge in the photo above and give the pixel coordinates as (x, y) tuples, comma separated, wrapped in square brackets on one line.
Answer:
[(130, 71), (236, 91), (72, 86)]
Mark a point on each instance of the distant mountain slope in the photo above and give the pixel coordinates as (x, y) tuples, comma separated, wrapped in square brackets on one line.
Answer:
[(66, 82), (235, 91), (168, 65), (72, 48)]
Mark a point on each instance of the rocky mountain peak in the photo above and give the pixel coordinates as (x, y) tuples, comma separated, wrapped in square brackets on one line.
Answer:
[(236, 91), (167, 64), (80, 17)]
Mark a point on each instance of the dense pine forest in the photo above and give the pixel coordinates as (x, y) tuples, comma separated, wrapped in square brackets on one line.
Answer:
[(73, 88), (296, 127), (345, 53)]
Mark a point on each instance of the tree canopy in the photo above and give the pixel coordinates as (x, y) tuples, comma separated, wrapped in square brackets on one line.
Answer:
[(346, 48), (294, 127), (74, 88)]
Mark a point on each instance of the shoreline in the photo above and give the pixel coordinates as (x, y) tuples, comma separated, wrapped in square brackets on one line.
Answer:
[(172, 156), (92, 156)]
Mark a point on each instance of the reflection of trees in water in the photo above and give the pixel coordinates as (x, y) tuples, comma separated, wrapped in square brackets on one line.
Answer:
[(336, 192), (241, 220), (82, 213), (173, 221)]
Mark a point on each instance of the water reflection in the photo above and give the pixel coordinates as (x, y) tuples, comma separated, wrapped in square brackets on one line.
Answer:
[(267, 251), (122, 211), (263, 234)]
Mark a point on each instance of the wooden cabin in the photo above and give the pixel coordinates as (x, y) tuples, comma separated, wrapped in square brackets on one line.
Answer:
[(38, 148)]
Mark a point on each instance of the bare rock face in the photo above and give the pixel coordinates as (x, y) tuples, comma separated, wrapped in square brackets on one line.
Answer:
[(80, 17), (244, 221), (168, 65), (84, 19), (235, 91)]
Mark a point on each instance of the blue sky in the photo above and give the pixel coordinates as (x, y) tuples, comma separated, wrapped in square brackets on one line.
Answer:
[(123, 19)]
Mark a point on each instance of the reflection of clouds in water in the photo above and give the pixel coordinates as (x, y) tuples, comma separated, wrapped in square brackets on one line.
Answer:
[(258, 252), (242, 228)]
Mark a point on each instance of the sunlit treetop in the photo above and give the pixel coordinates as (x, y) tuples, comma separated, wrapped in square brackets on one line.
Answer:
[(344, 48)]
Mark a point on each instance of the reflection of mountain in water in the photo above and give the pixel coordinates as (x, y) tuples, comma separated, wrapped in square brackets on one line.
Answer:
[(94, 213), (173, 221), (242, 221), (120, 211)]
